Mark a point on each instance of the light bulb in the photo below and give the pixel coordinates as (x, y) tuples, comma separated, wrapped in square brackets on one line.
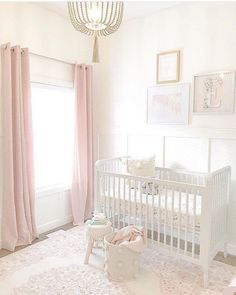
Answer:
[(94, 12)]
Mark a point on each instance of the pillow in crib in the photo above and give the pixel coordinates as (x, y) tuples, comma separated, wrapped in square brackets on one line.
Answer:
[(144, 167)]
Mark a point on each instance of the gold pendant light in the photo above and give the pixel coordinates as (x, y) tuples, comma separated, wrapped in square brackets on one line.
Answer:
[(96, 19)]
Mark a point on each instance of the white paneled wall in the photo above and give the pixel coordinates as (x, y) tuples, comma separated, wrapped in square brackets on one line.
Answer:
[(191, 153), (111, 146), (142, 145), (53, 209), (186, 153)]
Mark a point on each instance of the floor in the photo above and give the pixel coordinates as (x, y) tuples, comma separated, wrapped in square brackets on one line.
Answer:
[(230, 260), (42, 237), (55, 266)]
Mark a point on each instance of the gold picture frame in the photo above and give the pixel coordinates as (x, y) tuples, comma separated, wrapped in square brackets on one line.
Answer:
[(168, 67)]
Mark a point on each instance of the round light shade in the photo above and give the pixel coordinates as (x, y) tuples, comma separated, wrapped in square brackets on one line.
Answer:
[(96, 18)]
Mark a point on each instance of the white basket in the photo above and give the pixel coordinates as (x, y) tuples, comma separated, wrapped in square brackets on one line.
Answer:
[(121, 263)]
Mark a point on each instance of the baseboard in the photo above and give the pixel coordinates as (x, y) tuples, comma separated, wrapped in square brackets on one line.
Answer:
[(54, 223), (232, 249)]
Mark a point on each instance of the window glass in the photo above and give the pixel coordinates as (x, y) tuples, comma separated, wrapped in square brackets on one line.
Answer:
[(53, 113)]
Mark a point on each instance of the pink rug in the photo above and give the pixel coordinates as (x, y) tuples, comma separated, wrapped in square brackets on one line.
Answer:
[(55, 266)]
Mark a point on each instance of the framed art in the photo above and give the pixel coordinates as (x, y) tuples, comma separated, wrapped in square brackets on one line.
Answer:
[(168, 67), (214, 93), (168, 104)]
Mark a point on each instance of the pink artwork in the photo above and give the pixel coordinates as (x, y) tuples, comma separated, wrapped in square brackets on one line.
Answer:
[(168, 104), (214, 93)]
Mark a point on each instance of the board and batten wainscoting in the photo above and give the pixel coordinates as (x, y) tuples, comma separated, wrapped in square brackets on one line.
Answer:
[(53, 208)]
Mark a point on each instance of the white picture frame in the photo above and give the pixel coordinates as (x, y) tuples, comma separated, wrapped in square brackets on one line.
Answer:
[(168, 104), (168, 67), (214, 93)]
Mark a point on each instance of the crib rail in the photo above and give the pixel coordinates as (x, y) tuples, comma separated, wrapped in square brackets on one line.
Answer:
[(181, 176), (119, 165), (115, 165)]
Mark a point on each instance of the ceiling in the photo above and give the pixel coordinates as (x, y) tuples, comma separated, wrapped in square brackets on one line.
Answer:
[(132, 9)]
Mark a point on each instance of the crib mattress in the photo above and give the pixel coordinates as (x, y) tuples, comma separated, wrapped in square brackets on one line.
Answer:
[(168, 206)]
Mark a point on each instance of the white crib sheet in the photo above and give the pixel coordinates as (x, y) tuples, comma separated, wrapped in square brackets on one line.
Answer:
[(184, 213), (162, 200)]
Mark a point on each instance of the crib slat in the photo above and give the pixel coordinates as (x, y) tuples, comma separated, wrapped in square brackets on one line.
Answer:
[(124, 204), (152, 211), (194, 223), (146, 217), (114, 199), (165, 221), (119, 203), (116, 166), (129, 183), (172, 218), (135, 201), (104, 194), (141, 204), (186, 223), (159, 216), (179, 219), (109, 196)]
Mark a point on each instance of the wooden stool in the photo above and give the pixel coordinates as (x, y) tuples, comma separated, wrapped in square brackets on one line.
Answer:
[(96, 233)]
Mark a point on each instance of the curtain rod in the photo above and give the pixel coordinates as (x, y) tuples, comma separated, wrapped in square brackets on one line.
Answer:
[(47, 57), (44, 56), (52, 58)]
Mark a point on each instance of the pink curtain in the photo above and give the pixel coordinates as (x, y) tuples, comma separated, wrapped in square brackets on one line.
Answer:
[(82, 182), (18, 217)]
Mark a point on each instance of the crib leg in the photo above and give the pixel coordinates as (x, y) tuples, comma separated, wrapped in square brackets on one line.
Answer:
[(225, 250), (205, 277)]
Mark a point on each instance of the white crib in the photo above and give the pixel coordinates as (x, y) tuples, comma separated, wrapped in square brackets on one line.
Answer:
[(183, 212)]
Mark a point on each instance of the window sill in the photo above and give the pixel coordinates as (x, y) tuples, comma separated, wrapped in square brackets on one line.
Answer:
[(51, 190)]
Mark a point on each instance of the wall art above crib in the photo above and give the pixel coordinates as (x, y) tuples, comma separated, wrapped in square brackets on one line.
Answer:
[(168, 104), (214, 93), (168, 67)]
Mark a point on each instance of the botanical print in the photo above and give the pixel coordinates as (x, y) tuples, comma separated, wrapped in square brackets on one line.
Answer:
[(214, 93), (168, 104)]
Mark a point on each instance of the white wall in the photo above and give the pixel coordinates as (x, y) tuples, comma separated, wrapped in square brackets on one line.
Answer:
[(205, 33), (53, 208), (47, 33)]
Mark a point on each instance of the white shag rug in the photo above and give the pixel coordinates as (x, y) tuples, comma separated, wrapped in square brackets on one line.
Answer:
[(55, 267)]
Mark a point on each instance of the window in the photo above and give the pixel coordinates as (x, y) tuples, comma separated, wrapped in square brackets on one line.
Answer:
[(53, 113)]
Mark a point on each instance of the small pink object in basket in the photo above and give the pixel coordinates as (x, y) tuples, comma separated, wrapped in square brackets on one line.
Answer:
[(133, 237), (231, 289)]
